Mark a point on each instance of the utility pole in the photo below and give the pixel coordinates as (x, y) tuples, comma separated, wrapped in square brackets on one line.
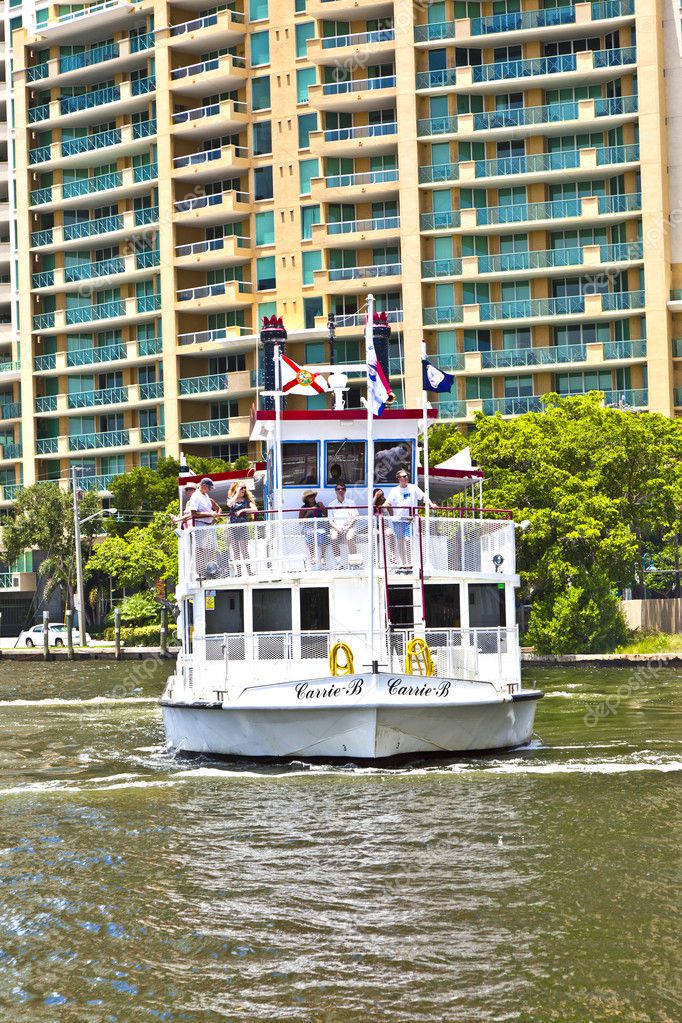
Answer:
[(80, 595)]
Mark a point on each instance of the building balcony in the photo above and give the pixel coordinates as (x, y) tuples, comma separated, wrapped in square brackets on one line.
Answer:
[(349, 234), (210, 76), (352, 324), (551, 23), (220, 297), (368, 185), (536, 311), (206, 164), (344, 280), (89, 21), (104, 397), (69, 362), (500, 361), (213, 383), (238, 338), (9, 492), (106, 230), (211, 119), (96, 191), (219, 208), (113, 441), (222, 29), (18, 582), (536, 262), (10, 452), (356, 94), (362, 140), (10, 410), (116, 270), (10, 372), (232, 250), (99, 484), (114, 313), (377, 47), (89, 150), (202, 429), (98, 105), (103, 60), (571, 164)]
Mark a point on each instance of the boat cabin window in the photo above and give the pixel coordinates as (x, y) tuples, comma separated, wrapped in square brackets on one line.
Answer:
[(272, 610), (300, 464), (314, 609), (486, 606), (441, 606), (389, 456), (224, 611), (345, 460), (401, 606)]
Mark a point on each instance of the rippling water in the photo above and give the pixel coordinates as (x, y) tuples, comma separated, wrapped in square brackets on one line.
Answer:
[(539, 886)]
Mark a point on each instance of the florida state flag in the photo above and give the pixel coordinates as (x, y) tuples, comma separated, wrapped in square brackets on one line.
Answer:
[(299, 380)]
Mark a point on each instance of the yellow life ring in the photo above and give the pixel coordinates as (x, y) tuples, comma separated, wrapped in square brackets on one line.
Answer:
[(419, 660), (348, 667)]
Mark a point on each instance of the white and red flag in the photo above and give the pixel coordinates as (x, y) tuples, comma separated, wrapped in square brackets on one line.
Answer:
[(297, 379)]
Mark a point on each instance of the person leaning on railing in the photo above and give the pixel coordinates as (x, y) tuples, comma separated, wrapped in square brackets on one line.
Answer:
[(383, 510), (404, 499), (315, 526), (241, 509), (343, 516)]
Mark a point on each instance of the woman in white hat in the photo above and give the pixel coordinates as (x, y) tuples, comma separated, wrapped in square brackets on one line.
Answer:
[(315, 526)]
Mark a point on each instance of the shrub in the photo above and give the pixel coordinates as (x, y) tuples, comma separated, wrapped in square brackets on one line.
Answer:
[(584, 618), (138, 609), (142, 635)]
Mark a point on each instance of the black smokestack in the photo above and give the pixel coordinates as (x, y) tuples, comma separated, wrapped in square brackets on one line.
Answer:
[(271, 332)]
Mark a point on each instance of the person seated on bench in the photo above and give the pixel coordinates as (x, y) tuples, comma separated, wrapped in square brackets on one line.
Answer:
[(315, 526), (343, 516)]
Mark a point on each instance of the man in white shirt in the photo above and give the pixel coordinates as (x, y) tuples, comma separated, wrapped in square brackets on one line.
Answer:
[(403, 500), (204, 511), (342, 515)]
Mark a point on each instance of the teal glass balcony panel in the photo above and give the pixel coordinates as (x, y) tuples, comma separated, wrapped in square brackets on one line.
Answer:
[(520, 20), (43, 237), (622, 251), (86, 186), (43, 362), (554, 355), (452, 409), (205, 428), (99, 268), (144, 129), (202, 68), (102, 311), (359, 85), (436, 172), (46, 403), (536, 163), (39, 113), (441, 268), (92, 356), (615, 106), (147, 172), (43, 279), (40, 154), (95, 55), (88, 143), (625, 349), (47, 445), (148, 258), (620, 300), (12, 490), (378, 177), (147, 215), (206, 290), (6, 580), (443, 221), (630, 202), (141, 86), (633, 398), (358, 273), (148, 303), (512, 406), (9, 367), (149, 346), (558, 209), (362, 131), (104, 396), (11, 451), (39, 196), (10, 410), (88, 228), (443, 79), (514, 118), (619, 57), (87, 441), (85, 11), (152, 434), (617, 154), (143, 41), (38, 71), (208, 19), (151, 391), (612, 9), (382, 35), (42, 321), (531, 308), (198, 202), (437, 126), (96, 483), (204, 384), (449, 361), (208, 155), (433, 33), (375, 224), (97, 98), (532, 260), (502, 70), (439, 314)]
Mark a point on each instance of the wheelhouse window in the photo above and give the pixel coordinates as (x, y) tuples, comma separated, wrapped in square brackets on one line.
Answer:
[(345, 461), (300, 464), (389, 457)]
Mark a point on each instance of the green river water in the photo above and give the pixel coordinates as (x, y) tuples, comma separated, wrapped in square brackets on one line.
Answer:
[(539, 886)]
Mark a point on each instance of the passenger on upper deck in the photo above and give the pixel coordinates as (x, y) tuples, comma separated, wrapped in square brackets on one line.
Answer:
[(315, 526), (343, 515), (204, 511), (383, 510), (403, 499), (241, 508)]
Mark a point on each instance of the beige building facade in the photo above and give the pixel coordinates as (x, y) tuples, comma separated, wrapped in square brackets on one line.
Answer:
[(504, 177)]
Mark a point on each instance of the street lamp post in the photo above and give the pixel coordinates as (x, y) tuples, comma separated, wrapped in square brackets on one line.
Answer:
[(77, 523)]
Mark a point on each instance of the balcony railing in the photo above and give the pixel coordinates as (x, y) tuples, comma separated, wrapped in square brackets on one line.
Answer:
[(44, 362), (382, 35), (558, 209), (11, 451), (437, 125), (87, 441), (358, 85), (207, 290), (204, 384), (512, 406), (441, 221), (378, 177), (145, 172), (146, 215), (39, 154), (98, 268), (441, 268), (142, 41), (92, 356), (97, 98), (502, 70), (97, 483), (208, 155), (619, 300), (43, 321), (150, 391), (142, 86), (554, 355), (95, 55), (37, 71), (86, 186), (147, 258), (151, 434), (212, 245), (149, 346), (47, 445), (625, 349), (206, 22), (10, 410), (436, 172), (630, 202), (362, 131), (452, 409), (513, 22), (104, 396), (43, 279), (212, 64), (148, 303), (83, 12), (205, 428), (214, 199), (144, 129), (353, 226), (38, 113), (88, 228), (358, 273), (9, 367), (12, 490), (86, 143), (101, 311), (538, 163)]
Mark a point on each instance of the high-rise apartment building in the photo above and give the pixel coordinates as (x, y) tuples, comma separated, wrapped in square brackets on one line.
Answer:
[(498, 174)]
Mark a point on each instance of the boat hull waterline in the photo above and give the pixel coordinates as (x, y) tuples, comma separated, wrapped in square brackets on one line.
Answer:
[(366, 717)]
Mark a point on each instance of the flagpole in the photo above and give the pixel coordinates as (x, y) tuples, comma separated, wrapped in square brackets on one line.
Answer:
[(278, 446), (369, 341), (427, 481)]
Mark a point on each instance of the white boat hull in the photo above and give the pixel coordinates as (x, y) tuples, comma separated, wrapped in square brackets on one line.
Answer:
[(379, 724)]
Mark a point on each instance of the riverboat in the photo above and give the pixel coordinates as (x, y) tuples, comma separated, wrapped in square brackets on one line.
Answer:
[(395, 637)]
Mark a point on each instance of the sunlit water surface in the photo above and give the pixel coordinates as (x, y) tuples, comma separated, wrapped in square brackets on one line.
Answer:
[(536, 886)]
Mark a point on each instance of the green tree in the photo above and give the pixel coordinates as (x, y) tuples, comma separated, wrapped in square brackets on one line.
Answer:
[(142, 556), (43, 521)]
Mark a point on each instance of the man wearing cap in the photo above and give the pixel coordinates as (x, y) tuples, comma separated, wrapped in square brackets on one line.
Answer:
[(403, 499), (204, 511)]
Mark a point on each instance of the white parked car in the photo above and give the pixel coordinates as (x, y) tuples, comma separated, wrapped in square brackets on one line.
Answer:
[(57, 636)]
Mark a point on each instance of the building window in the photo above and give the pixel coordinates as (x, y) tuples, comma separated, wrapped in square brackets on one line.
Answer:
[(265, 273), (476, 388), (305, 77), (307, 170), (262, 183), (312, 308), (262, 138), (304, 32), (311, 260), (258, 10), (310, 215), (299, 6), (260, 93), (265, 228), (306, 124), (260, 48)]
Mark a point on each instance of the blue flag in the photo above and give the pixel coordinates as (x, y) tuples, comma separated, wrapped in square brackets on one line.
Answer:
[(433, 379)]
